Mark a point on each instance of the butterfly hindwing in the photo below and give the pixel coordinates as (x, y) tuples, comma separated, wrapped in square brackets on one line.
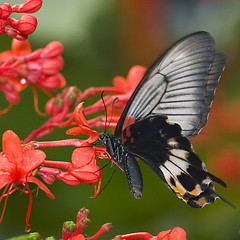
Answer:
[(161, 145)]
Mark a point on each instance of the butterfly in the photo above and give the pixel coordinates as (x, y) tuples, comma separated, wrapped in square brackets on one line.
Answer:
[(170, 105)]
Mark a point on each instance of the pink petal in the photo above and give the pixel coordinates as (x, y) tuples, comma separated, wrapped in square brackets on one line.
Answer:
[(88, 174), (120, 83), (93, 135), (83, 156), (79, 116), (135, 75), (12, 147), (178, 234), (164, 235), (41, 186), (74, 131), (5, 165), (5, 178), (32, 159)]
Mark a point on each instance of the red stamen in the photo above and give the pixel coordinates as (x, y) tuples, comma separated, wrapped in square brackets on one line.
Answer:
[(35, 100), (105, 228), (142, 235), (28, 227), (6, 109), (5, 203)]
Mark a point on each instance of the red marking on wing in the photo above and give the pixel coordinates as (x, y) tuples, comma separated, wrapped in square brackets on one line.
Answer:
[(126, 134), (128, 121)]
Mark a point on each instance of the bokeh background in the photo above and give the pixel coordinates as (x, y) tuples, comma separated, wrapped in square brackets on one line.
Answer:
[(105, 38)]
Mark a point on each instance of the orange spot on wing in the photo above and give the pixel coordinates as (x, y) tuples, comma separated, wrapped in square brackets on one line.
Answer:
[(179, 190), (195, 192)]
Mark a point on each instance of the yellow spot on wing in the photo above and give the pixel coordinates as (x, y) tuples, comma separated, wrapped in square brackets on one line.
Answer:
[(177, 189), (173, 143), (201, 201), (196, 191)]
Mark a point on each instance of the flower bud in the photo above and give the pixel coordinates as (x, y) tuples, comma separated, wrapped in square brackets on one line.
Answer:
[(11, 95), (83, 224), (29, 6), (52, 66), (50, 238), (27, 24), (34, 72), (6, 11), (53, 49), (69, 227), (34, 236), (52, 82), (47, 177)]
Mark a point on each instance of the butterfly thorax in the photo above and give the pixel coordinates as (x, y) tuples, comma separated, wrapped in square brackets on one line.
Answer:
[(114, 145)]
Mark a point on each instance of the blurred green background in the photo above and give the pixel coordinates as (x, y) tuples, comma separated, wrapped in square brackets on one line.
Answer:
[(105, 38)]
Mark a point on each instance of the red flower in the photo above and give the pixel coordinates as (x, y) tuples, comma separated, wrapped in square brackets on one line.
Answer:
[(83, 127), (176, 234), (73, 231), (85, 167), (17, 167), (122, 90), (129, 84), (22, 66), (20, 29)]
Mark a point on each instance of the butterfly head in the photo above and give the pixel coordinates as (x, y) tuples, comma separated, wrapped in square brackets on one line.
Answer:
[(104, 138)]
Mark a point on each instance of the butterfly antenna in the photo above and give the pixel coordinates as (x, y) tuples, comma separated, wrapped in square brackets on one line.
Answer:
[(112, 112), (105, 108), (103, 166), (108, 179)]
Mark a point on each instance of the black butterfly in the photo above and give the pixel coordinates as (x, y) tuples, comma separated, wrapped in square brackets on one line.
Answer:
[(170, 105)]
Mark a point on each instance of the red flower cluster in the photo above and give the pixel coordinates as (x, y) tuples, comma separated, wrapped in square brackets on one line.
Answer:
[(59, 107), (20, 29), (21, 66), (18, 166), (176, 234), (73, 231), (21, 163)]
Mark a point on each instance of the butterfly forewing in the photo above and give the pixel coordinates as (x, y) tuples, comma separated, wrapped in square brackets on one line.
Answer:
[(180, 84)]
